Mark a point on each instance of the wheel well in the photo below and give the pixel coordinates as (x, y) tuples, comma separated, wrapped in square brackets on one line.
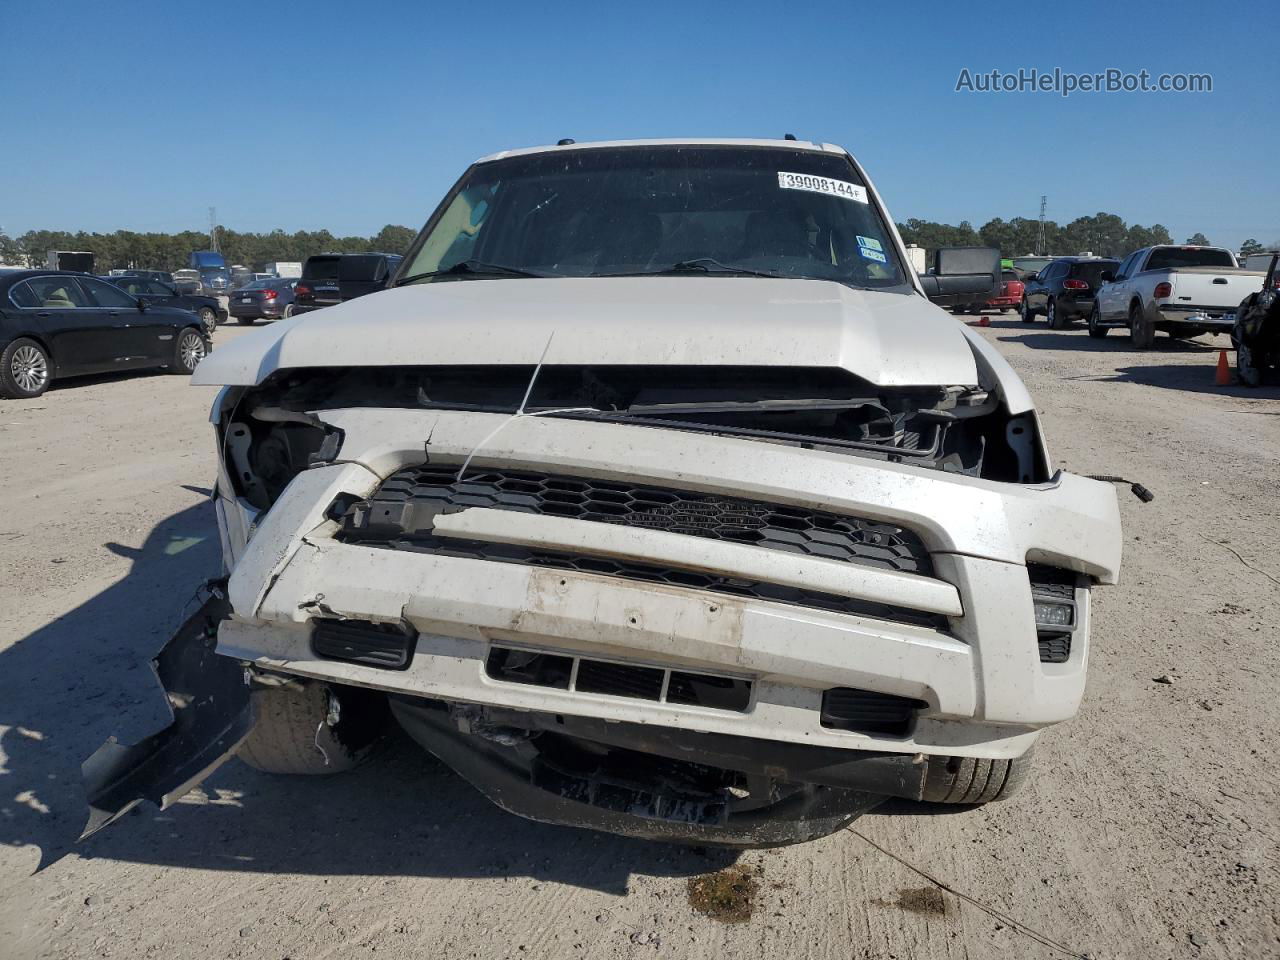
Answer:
[(1135, 302)]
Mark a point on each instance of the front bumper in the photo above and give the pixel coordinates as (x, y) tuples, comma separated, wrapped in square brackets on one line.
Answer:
[(986, 690)]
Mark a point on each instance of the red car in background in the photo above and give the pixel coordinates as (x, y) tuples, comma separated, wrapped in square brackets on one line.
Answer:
[(1009, 298)]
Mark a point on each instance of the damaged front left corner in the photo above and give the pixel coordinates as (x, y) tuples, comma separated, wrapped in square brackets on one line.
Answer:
[(212, 714)]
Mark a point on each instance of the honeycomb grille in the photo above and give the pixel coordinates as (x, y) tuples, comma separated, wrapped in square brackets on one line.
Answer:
[(771, 526)]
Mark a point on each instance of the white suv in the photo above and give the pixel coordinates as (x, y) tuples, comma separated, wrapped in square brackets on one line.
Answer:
[(655, 496)]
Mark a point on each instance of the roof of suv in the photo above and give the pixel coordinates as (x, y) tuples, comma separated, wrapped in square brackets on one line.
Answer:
[(807, 145)]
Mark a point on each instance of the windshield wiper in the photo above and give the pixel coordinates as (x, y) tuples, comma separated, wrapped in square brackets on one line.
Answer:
[(697, 265), (474, 268)]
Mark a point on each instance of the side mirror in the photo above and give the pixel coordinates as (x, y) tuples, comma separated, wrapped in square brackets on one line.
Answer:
[(1106, 276), (1031, 278), (142, 305)]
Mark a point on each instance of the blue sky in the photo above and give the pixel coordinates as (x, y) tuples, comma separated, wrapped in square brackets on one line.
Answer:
[(347, 116)]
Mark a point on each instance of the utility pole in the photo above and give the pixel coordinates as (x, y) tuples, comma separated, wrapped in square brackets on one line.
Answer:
[(1040, 233), (213, 229)]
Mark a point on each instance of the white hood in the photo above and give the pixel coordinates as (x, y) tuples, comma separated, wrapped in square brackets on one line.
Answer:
[(889, 339)]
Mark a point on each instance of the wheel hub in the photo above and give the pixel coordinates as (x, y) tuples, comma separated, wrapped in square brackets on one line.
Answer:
[(29, 369)]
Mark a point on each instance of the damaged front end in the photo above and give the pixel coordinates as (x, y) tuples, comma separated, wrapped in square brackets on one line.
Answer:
[(719, 605)]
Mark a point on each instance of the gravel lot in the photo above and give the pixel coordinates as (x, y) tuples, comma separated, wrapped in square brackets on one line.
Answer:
[(1152, 829)]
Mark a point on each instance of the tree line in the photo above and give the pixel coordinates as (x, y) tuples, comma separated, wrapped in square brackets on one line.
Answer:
[(169, 251), (1104, 234)]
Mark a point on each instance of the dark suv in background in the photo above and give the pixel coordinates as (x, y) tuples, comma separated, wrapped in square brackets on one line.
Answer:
[(1064, 289), (330, 278)]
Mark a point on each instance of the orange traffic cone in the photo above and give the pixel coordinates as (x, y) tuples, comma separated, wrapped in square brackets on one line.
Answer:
[(1223, 377)]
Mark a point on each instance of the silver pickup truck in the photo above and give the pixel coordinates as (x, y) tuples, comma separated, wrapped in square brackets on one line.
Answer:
[(1183, 290)]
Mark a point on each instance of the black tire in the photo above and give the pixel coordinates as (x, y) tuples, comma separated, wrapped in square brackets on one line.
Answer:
[(292, 734), (26, 370), (970, 780), (246, 321), (190, 347), (1141, 331), (208, 320), (1053, 316), (1247, 372), (1028, 315), (1096, 329)]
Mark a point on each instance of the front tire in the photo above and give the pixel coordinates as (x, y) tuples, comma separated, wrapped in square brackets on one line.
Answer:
[(299, 730), (970, 780), (1028, 315), (190, 348), (1096, 329), (25, 370), (1142, 333)]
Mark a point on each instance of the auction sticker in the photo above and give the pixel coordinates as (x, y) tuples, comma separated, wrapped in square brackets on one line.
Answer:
[(835, 188)]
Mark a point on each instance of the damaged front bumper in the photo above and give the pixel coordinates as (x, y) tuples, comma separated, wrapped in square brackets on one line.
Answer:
[(638, 674), (209, 699)]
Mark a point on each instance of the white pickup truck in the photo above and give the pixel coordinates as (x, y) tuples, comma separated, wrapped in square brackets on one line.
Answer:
[(1182, 290)]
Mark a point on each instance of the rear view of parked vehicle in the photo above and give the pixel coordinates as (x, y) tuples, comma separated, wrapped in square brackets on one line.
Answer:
[(59, 324), (331, 278), (267, 299), (1182, 290), (153, 292), (1064, 290)]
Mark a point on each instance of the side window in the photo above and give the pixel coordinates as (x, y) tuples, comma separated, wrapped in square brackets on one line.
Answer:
[(58, 293), (23, 296), (1122, 271), (106, 294), (1056, 270), (156, 289), (130, 285)]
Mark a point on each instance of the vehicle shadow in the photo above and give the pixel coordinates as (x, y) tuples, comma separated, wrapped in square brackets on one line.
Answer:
[(94, 379), (73, 682), (1195, 379)]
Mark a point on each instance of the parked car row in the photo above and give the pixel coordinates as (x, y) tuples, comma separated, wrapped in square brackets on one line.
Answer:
[(1181, 290), (208, 309)]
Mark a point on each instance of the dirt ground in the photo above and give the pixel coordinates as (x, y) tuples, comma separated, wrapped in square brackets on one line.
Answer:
[(1151, 830)]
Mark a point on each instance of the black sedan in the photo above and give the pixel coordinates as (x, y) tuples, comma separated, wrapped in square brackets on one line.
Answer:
[(54, 324), (208, 309), (1064, 290)]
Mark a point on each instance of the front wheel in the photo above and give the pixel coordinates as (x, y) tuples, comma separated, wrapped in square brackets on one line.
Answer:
[(1096, 329), (313, 729), (25, 370), (972, 780), (1028, 315), (188, 351)]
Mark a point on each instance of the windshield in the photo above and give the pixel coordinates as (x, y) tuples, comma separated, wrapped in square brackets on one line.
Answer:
[(649, 210)]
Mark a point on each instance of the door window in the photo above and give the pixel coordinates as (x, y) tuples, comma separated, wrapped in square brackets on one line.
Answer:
[(107, 294), (58, 293)]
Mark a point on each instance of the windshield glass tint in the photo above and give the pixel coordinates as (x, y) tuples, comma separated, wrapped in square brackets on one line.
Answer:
[(1167, 258), (629, 210)]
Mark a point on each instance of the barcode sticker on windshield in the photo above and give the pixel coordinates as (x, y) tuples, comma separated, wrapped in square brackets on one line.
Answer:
[(836, 188)]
